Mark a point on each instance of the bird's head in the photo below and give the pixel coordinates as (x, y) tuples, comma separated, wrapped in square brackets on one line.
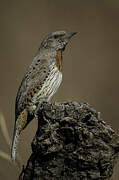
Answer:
[(57, 40)]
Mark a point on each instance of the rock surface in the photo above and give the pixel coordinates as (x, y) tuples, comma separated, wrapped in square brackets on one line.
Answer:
[(72, 142)]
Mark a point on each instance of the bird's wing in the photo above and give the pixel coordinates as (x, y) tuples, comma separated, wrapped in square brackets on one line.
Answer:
[(33, 80)]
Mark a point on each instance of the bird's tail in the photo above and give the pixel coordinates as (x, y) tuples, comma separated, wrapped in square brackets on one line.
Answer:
[(15, 144), (20, 124)]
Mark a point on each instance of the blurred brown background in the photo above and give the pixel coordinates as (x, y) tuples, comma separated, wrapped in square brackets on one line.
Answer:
[(91, 60)]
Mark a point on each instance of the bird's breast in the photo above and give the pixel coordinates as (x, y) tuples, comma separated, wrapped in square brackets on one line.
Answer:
[(49, 87)]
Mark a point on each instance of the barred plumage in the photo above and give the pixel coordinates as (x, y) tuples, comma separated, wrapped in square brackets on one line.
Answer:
[(40, 82)]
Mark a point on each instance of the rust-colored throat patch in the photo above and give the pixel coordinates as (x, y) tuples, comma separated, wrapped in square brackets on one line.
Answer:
[(59, 60)]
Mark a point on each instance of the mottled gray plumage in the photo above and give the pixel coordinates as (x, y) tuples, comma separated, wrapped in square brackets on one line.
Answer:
[(40, 82)]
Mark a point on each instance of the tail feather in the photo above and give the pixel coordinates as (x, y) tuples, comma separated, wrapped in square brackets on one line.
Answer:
[(20, 124), (14, 144)]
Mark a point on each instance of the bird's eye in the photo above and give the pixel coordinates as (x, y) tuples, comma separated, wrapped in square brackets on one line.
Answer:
[(55, 36)]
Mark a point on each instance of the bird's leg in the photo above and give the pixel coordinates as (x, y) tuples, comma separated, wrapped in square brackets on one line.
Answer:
[(38, 107), (36, 116)]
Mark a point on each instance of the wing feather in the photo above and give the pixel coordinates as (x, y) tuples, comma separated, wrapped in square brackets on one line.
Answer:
[(33, 79)]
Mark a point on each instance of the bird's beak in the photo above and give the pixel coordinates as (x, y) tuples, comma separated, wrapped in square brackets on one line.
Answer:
[(69, 35)]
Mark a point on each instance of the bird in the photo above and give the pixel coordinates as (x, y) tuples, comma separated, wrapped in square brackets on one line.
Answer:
[(41, 81)]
